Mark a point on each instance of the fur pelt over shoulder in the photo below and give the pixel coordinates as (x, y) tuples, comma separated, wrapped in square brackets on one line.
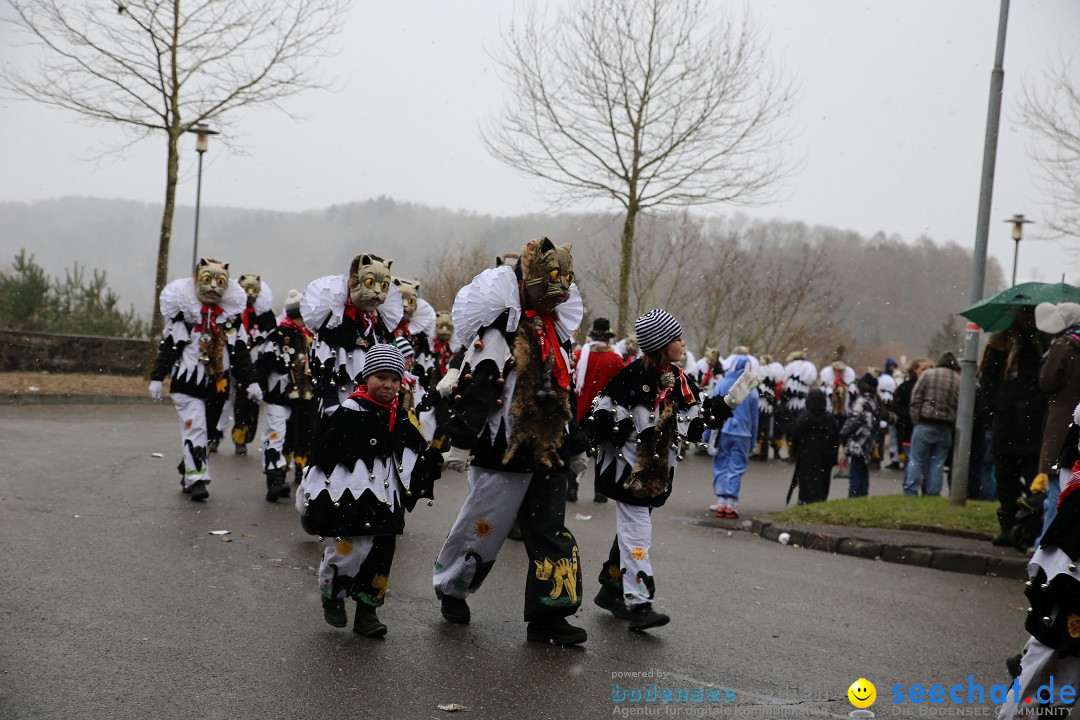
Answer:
[(540, 408)]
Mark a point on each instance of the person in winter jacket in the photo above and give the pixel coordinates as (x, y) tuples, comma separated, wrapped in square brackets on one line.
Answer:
[(859, 433), (815, 438)]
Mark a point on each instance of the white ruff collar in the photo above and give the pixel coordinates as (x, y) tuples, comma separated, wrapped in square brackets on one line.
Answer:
[(179, 297), (264, 299), (493, 292), (423, 320), (325, 298)]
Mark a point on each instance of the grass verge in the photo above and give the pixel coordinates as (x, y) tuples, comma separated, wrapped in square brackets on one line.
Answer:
[(897, 512)]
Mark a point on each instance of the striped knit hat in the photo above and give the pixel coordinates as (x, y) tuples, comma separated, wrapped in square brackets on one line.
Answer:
[(403, 344), (383, 358), (655, 329)]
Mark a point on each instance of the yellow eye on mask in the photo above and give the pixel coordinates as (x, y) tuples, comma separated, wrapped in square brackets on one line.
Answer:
[(569, 278), (369, 282), (554, 274), (385, 286)]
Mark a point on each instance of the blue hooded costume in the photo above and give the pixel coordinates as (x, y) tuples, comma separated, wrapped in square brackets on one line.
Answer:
[(734, 441)]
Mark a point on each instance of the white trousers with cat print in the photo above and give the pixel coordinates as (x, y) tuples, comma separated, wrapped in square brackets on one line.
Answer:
[(633, 533)]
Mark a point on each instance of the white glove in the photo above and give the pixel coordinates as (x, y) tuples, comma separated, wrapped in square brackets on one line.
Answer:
[(254, 392), (579, 464), (457, 460), (155, 389), (446, 385), (712, 449), (741, 389)]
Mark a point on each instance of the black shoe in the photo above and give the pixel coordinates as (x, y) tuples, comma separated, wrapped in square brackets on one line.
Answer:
[(556, 630), (276, 485), (571, 494), (333, 611), (299, 475), (611, 600), (455, 610), (1003, 539), (241, 449), (643, 617), (184, 488), (212, 446), (198, 491), (894, 465), (599, 498), (367, 622)]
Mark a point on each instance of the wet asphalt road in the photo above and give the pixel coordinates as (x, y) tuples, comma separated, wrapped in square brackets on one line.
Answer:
[(116, 602)]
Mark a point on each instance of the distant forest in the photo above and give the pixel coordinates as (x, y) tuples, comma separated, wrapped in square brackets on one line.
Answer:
[(774, 285)]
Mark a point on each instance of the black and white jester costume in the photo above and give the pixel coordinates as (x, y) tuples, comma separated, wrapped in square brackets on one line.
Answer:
[(639, 423), (771, 375), (193, 337), (1052, 653), (490, 321), (289, 401), (258, 320), (368, 466), (799, 376), (343, 333)]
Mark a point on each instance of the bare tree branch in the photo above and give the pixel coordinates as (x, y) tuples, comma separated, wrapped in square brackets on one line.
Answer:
[(1054, 115), (645, 103)]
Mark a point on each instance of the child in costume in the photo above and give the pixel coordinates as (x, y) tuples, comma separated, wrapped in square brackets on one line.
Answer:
[(730, 447), (285, 379), (859, 433), (369, 465), (640, 422), (348, 314), (201, 350), (513, 413)]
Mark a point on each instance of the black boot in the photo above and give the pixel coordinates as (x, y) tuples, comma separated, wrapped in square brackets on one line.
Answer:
[(571, 492), (277, 486), (515, 531), (612, 600), (241, 448), (198, 491), (643, 617), (333, 610), (455, 610), (556, 630), (367, 622), (212, 445)]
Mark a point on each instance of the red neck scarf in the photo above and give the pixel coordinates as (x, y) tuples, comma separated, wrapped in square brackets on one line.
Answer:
[(354, 313), (248, 317), (290, 324), (548, 340), (361, 393), (680, 379), (207, 316), (402, 330)]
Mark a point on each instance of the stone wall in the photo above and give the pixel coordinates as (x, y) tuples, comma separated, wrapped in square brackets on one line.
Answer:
[(37, 352)]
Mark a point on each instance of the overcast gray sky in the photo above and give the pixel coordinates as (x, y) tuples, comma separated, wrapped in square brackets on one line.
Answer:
[(890, 123)]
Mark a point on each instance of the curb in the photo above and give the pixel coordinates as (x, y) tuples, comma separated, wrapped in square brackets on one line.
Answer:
[(66, 399), (936, 558)]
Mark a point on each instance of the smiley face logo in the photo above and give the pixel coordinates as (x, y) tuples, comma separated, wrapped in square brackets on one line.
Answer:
[(862, 693)]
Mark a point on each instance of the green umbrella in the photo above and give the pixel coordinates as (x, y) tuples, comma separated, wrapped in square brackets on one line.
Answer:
[(993, 314)]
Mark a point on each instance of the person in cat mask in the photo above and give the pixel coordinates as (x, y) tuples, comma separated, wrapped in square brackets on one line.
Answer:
[(513, 413), (202, 351), (257, 320), (348, 314), (639, 424)]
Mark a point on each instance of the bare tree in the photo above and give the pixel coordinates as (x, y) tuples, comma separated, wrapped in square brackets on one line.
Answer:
[(645, 103), (451, 269), (162, 66), (1054, 115)]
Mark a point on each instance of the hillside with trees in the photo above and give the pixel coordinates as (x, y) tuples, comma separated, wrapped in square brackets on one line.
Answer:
[(774, 285)]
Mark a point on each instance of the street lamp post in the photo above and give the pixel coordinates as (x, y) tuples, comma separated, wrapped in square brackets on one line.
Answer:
[(1018, 223), (203, 132)]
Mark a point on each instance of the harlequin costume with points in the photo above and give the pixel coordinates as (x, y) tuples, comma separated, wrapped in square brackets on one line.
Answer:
[(257, 320), (202, 351), (513, 413), (368, 467), (348, 314), (284, 373), (639, 425)]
